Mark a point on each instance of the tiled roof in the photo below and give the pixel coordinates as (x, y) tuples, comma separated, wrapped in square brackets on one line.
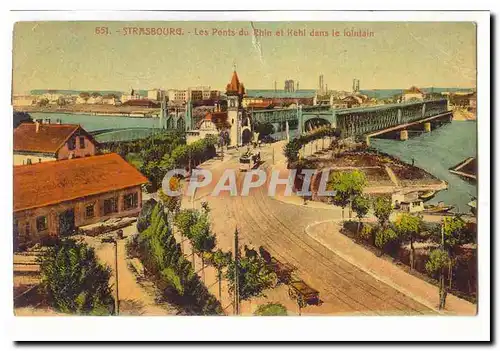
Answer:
[(413, 90), (235, 86), (49, 183), (49, 138)]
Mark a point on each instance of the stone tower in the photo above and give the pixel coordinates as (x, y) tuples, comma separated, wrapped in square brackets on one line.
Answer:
[(235, 91)]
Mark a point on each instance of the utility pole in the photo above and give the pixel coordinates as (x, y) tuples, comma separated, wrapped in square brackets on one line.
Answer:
[(117, 299), (236, 304)]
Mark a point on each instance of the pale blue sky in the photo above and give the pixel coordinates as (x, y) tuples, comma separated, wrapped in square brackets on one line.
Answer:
[(69, 55)]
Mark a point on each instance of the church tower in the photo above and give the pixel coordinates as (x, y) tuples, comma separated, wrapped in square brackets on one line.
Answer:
[(234, 92)]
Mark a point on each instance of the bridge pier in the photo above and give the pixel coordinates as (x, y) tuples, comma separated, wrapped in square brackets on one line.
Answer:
[(427, 127), (403, 135)]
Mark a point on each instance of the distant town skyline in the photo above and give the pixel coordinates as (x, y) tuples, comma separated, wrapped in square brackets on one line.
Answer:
[(77, 56)]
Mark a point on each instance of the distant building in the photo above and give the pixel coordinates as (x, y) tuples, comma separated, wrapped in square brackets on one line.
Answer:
[(54, 198), (40, 142), (142, 103), (177, 96), (94, 100), (154, 94), (412, 94), (407, 202), (289, 86), (24, 100)]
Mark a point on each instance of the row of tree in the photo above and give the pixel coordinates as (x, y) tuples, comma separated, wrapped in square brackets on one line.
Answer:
[(163, 259), (292, 148)]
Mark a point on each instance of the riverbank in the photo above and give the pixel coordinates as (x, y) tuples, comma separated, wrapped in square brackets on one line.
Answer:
[(384, 174), (94, 110)]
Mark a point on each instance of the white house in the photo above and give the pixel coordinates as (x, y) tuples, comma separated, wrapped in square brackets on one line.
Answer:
[(407, 202)]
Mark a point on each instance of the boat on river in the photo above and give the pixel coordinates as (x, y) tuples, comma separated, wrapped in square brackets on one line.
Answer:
[(436, 209), (426, 195)]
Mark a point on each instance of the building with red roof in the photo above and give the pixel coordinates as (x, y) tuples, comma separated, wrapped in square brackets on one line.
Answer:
[(39, 142), (55, 198)]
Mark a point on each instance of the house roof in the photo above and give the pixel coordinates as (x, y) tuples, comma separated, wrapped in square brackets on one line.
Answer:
[(53, 182), (49, 138), (218, 118)]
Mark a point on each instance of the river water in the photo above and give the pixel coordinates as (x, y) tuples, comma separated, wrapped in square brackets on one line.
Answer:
[(436, 152), (92, 122)]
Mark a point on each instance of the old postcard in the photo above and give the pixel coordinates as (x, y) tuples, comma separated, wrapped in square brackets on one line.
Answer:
[(249, 168)]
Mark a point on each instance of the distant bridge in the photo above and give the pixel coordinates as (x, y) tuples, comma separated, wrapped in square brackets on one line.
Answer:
[(351, 122), (362, 121)]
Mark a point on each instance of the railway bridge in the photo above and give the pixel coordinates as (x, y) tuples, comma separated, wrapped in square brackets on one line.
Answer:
[(363, 121), (366, 122)]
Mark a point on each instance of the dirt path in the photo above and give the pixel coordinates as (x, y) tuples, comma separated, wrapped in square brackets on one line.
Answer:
[(136, 299)]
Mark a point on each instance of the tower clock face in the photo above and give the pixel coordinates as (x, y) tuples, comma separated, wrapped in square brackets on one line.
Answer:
[(232, 103)]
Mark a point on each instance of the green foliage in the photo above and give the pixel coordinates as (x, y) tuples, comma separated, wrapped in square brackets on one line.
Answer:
[(171, 203), (438, 260), (408, 225), (74, 281), (221, 259), (366, 232), (143, 221), (254, 276), (361, 205), (263, 128), (271, 309), (347, 186), (385, 237), (382, 208), (455, 233), (292, 148), (175, 277), (201, 235), (184, 220)]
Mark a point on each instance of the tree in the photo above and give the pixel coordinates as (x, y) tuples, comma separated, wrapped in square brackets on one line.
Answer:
[(202, 239), (385, 237), (361, 205), (144, 219), (74, 281), (21, 117), (382, 208), (437, 263), (347, 186), (220, 260), (184, 220), (254, 276), (455, 234), (271, 309), (409, 226), (264, 129), (171, 203)]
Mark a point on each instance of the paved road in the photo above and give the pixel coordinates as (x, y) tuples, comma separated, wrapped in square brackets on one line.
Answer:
[(262, 220)]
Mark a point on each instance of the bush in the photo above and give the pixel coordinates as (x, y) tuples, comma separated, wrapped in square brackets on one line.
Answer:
[(271, 309), (386, 239), (366, 232), (144, 219), (74, 281)]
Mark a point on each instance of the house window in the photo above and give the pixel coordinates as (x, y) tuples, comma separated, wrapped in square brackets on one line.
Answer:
[(130, 201), (110, 205), (72, 143), (41, 223), (27, 229), (82, 142), (89, 211)]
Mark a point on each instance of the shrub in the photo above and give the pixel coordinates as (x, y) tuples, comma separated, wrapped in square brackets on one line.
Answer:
[(366, 232), (144, 219), (74, 281), (385, 239), (271, 309)]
